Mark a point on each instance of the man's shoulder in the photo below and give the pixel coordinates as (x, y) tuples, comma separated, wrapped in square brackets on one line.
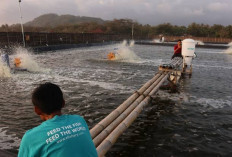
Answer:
[(34, 130), (49, 123), (69, 119), (72, 117)]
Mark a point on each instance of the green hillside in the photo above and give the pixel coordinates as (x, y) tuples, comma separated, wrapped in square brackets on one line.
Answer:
[(53, 20)]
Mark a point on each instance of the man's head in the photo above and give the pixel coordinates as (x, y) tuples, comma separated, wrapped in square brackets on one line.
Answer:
[(179, 42), (48, 98)]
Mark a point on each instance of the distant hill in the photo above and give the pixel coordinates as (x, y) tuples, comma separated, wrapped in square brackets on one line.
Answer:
[(54, 20)]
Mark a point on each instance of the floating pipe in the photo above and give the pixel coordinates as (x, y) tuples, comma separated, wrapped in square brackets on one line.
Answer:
[(114, 114), (109, 130), (114, 135), (177, 62), (107, 120), (99, 138), (169, 63)]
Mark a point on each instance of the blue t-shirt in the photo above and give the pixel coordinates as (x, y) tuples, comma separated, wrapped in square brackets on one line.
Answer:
[(61, 136)]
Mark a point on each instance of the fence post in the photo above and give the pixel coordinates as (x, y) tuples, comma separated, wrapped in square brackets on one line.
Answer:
[(46, 38)]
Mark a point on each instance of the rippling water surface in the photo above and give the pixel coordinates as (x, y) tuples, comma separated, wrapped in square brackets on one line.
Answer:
[(196, 121)]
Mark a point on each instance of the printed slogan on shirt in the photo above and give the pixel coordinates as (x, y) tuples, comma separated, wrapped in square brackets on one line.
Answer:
[(65, 132)]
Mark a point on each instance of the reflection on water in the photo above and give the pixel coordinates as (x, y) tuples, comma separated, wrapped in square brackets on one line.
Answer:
[(194, 122)]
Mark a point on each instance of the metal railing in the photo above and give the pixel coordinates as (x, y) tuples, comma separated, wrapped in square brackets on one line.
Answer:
[(44, 39), (33, 39), (203, 39)]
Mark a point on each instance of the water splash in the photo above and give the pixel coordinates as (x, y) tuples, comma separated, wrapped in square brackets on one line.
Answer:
[(161, 40), (124, 53), (198, 42), (229, 50), (157, 41), (132, 43), (27, 60), (124, 43), (128, 43), (230, 44)]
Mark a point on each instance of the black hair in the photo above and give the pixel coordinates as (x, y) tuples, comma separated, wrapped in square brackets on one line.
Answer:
[(178, 40), (48, 97)]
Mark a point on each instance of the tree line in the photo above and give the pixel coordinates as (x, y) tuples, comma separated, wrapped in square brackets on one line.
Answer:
[(125, 26)]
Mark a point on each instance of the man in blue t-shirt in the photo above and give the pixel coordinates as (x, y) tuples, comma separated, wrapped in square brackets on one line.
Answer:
[(59, 135)]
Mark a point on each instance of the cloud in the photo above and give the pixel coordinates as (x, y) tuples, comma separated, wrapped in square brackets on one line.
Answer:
[(164, 8), (179, 12), (198, 12), (217, 6)]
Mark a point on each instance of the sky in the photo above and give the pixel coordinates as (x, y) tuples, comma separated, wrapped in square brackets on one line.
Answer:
[(153, 12)]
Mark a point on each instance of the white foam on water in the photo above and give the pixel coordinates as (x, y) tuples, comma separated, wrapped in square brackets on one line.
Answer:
[(205, 102), (4, 70), (198, 42), (124, 43), (125, 54), (228, 51), (28, 61), (151, 62), (108, 86), (104, 85), (211, 66), (215, 103), (157, 41), (209, 52), (183, 97), (132, 43), (8, 141)]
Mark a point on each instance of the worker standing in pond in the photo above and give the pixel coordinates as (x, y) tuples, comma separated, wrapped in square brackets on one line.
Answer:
[(5, 58), (177, 50), (59, 135)]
